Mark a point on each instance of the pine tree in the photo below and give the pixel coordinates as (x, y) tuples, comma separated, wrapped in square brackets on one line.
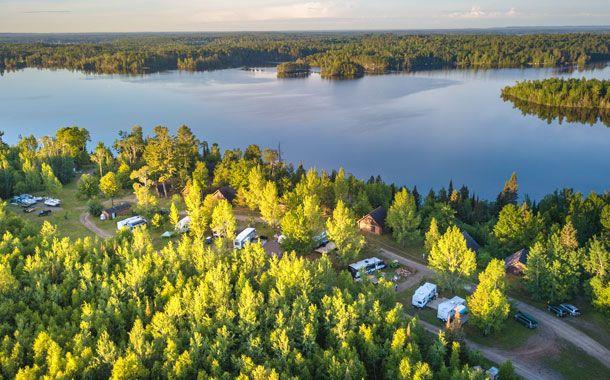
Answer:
[(488, 305), (343, 231), (451, 259), (509, 194), (432, 236), (403, 218)]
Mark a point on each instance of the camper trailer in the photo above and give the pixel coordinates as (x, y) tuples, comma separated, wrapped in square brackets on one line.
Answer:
[(449, 308), (184, 224), (244, 237), (424, 294), (131, 223), (367, 265)]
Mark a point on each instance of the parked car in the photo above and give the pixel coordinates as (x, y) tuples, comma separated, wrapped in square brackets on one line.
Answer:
[(29, 210), (557, 310), (570, 309), (526, 320), (44, 212), (209, 239)]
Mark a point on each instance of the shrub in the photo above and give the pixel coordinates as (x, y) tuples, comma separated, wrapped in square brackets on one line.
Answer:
[(95, 208)]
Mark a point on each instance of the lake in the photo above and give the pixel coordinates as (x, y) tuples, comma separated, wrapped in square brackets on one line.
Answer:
[(421, 128)]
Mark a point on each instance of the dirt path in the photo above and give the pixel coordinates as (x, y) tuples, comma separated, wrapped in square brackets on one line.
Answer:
[(524, 370), (85, 221), (555, 325)]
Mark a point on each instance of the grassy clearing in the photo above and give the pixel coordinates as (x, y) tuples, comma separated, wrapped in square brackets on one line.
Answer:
[(413, 252), (574, 363), (66, 217), (512, 336)]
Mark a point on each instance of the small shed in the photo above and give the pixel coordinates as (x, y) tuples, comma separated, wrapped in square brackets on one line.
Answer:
[(226, 192), (374, 221), (470, 242), (515, 263), (115, 211)]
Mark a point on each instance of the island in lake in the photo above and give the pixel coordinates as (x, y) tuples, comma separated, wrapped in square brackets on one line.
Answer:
[(582, 100)]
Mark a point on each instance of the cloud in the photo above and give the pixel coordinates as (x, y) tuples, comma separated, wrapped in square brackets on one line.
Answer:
[(478, 13), (321, 9), (47, 11)]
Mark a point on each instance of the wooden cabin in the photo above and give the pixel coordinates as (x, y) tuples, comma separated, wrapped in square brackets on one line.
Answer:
[(115, 211), (374, 221), (515, 263), (226, 192)]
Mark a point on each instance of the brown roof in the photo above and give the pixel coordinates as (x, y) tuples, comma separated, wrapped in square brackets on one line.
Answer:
[(227, 192), (379, 214), (118, 208), (518, 257)]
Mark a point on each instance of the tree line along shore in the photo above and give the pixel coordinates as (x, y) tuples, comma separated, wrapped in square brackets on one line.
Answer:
[(339, 55), (122, 308)]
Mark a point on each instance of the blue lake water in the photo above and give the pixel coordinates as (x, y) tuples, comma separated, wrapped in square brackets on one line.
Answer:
[(421, 128)]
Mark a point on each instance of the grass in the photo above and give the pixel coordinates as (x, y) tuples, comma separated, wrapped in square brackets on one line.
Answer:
[(413, 252), (66, 218), (574, 363), (512, 336)]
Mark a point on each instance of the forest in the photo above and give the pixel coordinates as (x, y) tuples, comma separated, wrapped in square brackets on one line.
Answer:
[(339, 55), (582, 100), (125, 308)]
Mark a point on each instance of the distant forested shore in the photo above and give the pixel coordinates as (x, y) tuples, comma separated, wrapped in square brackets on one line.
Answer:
[(338, 55), (582, 100)]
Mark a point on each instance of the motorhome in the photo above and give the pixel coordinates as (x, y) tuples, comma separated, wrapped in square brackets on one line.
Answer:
[(244, 237), (367, 265), (424, 294), (449, 308), (131, 223)]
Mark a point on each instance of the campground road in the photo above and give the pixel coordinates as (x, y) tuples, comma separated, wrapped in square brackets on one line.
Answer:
[(497, 356), (559, 327), (85, 221)]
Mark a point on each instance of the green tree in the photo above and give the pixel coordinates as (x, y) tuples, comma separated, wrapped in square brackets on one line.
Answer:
[(252, 192), (343, 231), (432, 236), (49, 181), (270, 208), (451, 259), (88, 186), (174, 214), (301, 224), (507, 371), (223, 220), (488, 305), (102, 156), (517, 228), (160, 157), (109, 186), (509, 194), (403, 218)]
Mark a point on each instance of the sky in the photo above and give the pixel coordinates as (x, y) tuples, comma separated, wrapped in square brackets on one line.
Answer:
[(60, 16)]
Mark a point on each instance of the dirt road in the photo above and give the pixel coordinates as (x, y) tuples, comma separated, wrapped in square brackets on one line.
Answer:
[(556, 325), (85, 221)]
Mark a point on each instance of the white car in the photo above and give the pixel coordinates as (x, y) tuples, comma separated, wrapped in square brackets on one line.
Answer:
[(52, 202), (570, 309)]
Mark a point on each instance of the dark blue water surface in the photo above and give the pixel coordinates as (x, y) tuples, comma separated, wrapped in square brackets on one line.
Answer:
[(418, 129)]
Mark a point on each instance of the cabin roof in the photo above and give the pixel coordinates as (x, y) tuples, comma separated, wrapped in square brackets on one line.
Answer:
[(118, 208), (378, 215), (227, 192), (518, 257), (470, 242)]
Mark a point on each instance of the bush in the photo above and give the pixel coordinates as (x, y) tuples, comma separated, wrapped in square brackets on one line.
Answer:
[(95, 208), (88, 186)]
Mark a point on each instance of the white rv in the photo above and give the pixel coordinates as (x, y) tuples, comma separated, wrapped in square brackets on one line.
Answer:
[(424, 294), (184, 224), (131, 223), (367, 265), (244, 238), (449, 308)]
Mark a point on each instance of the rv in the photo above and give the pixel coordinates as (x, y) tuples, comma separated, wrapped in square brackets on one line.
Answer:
[(244, 237), (184, 224), (424, 294), (449, 308), (131, 223), (367, 265)]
